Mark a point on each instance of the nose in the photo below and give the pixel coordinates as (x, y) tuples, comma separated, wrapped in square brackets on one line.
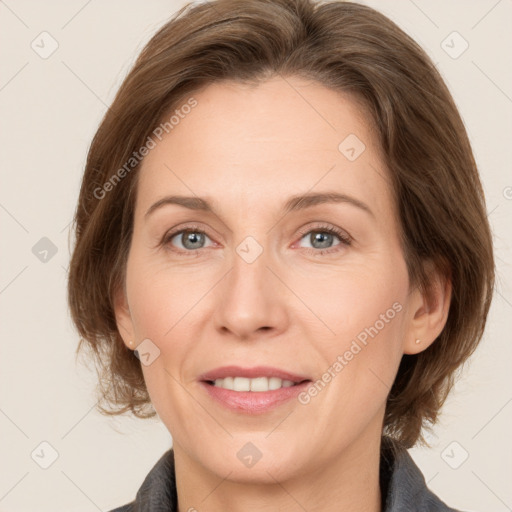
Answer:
[(251, 299)]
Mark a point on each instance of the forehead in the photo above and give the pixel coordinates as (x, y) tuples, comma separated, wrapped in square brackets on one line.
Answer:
[(249, 145)]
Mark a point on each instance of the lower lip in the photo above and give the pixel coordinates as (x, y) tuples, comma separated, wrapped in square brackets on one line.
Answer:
[(253, 402)]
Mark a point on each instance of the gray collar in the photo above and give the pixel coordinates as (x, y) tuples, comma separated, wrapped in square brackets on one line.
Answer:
[(402, 484)]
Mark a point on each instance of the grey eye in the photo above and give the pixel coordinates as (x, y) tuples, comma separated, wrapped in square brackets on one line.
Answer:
[(190, 240), (320, 239)]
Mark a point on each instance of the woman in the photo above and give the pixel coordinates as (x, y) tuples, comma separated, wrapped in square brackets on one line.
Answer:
[(282, 250)]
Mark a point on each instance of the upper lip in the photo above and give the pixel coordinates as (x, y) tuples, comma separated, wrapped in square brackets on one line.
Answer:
[(250, 373)]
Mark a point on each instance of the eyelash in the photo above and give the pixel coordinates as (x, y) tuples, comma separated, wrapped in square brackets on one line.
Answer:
[(345, 240)]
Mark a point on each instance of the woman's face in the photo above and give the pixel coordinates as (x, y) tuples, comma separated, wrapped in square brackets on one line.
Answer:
[(317, 289)]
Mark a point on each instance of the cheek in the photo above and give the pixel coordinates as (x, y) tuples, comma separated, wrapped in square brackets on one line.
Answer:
[(163, 303), (364, 309), (160, 304), (151, 313), (361, 359), (349, 301), (156, 298)]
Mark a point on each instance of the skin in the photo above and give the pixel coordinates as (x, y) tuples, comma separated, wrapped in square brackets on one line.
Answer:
[(247, 149)]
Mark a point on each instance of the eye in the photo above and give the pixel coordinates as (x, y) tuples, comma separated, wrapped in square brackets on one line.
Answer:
[(321, 239), (186, 240)]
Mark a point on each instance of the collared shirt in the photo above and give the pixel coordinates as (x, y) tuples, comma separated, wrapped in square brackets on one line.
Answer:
[(403, 486)]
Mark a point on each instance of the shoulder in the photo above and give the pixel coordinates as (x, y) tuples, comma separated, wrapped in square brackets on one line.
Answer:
[(125, 508), (404, 485), (158, 491)]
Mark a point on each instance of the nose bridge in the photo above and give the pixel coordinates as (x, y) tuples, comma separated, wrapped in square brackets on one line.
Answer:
[(250, 297), (249, 277)]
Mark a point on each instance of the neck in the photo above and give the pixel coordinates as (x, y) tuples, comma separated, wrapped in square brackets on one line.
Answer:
[(348, 481)]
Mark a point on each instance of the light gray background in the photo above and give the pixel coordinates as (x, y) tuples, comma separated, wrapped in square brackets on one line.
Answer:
[(50, 108)]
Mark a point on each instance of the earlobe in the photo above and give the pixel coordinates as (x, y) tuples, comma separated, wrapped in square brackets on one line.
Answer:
[(430, 313)]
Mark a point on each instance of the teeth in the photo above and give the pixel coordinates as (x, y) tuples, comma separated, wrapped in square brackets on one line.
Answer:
[(257, 384)]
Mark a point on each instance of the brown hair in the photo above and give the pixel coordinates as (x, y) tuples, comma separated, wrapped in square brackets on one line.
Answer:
[(347, 47)]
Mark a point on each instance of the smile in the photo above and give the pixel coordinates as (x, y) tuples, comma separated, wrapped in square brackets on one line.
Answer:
[(258, 384)]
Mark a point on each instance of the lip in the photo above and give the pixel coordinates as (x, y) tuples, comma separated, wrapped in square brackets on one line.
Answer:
[(251, 373), (252, 402)]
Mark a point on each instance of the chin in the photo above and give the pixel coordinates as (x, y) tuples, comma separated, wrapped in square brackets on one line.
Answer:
[(254, 459)]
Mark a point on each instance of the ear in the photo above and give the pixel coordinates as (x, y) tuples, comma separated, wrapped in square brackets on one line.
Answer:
[(124, 319), (429, 312)]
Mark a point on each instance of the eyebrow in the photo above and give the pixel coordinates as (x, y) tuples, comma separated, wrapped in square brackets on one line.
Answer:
[(294, 203)]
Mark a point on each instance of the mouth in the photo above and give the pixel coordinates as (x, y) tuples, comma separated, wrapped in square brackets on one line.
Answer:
[(257, 384), (257, 379)]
